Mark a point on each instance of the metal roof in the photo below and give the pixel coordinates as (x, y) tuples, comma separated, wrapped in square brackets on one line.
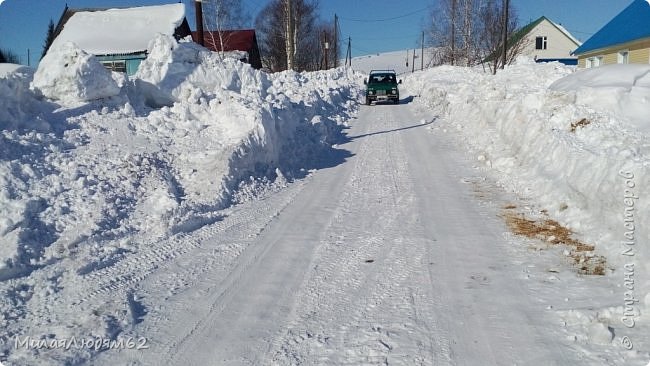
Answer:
[(631, 24)]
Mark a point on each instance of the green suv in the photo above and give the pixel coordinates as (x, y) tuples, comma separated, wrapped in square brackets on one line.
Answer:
[(382, 85)]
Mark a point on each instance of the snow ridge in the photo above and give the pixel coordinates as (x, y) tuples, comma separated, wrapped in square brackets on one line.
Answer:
[(97, 171)]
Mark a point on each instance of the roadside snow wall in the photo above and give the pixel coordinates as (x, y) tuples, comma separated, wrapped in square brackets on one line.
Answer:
[(96, 166), (577, 142)]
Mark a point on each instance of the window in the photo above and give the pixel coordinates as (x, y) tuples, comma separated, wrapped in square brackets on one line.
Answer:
[(623, 57), (117, 66), (541, 43), (594, 62)]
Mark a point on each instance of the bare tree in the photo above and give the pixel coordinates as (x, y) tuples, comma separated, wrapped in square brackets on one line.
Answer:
[(468, 31), (289, 37), (475, 25), (449, 28), (221, 16), (491, 32), (8, 57)]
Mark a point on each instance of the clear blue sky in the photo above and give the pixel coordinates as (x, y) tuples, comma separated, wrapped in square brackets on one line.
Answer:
[(23, 23)]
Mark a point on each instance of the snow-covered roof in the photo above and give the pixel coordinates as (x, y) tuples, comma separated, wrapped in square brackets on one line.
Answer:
[(120, 31), (629, 25)]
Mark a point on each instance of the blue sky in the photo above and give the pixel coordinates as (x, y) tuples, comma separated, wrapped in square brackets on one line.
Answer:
[(23, 23)]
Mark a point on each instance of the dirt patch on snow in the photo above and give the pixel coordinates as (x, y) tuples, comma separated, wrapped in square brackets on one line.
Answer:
[(552, 232)]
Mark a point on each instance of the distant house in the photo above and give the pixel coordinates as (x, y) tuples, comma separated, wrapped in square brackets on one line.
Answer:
[(119, 37), (546, 41), (243, 40), (625, 39)]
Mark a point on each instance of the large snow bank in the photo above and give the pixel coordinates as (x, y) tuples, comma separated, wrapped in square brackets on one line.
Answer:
[(116, 168), (620, 90), (190, 135), (174, 72), (69, 74), (577, 142), (18, 106)]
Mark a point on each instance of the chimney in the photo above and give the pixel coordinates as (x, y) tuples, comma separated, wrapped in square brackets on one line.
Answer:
[(198, 7)]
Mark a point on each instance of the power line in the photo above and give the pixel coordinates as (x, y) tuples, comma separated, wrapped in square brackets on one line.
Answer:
[(413, 36), (362, 50), (575, 31), (386, 19)]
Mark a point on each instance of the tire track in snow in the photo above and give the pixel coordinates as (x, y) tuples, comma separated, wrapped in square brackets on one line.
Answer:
[(123, 275), (182, 339), (354, 312)]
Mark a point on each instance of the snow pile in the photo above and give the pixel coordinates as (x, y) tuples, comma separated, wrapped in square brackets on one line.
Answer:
[(105, 175), (18, 105), (620, 90), (69, 74), (189, 135), (577, 142), (233, 121), (13, 69), (174, 72)]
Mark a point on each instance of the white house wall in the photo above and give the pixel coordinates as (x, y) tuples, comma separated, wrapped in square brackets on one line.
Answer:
[(558, 44)]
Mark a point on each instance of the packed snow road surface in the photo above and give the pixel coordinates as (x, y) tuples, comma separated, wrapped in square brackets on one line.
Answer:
[(384, 257)]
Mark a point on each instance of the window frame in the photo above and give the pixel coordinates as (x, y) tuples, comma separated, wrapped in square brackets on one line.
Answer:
[(623, 57), (115, 65), (541, 43)]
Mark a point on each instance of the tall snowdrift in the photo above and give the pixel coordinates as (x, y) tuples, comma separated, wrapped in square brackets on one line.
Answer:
[(18, 104), (175, 147), (575, 141), (620, 90), (69, 74)]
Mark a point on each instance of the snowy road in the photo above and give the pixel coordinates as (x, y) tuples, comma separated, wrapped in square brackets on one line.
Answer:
[(386, 257)]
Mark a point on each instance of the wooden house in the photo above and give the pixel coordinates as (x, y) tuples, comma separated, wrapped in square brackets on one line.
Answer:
[(625, 39), (546, 41), (119, 37)]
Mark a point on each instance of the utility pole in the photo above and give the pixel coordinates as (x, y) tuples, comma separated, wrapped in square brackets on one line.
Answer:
[(28, 58), (327, 51), (505, 33), (422, 53), (348, 54), (413, 65), (336, 40), (198, 10), (407, 58)]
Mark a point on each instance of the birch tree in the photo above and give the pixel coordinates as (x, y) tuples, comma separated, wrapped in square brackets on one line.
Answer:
[(220, 16), (491, 24), (289, 35)]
